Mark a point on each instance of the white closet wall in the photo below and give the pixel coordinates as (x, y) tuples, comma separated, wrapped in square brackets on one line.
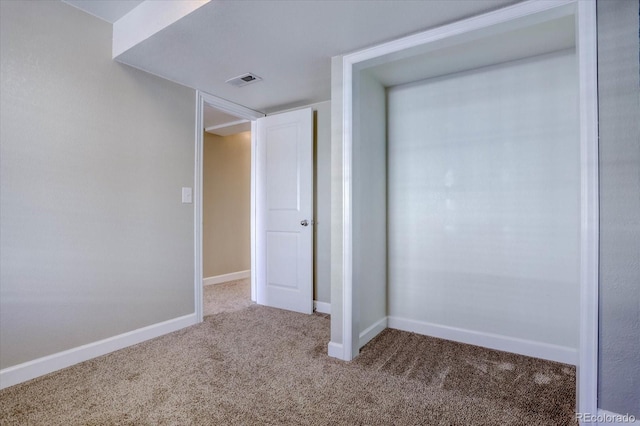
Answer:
[(370, 207), (484, 201)]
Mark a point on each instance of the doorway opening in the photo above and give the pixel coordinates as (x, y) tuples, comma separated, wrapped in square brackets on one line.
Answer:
[(226, 211), (226, 119), (277, 129)]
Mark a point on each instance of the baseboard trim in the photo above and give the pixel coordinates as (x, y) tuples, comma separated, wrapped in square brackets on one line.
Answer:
[(218, 279), (372, 331), (322, 307), (546, 351), (611, 419), (39, 367), (335, 350)]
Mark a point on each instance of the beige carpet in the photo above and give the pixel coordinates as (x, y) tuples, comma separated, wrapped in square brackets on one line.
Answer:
[(226, 297), (264, 366)]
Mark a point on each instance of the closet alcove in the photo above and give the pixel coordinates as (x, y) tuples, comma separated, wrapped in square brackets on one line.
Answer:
[(469, 186)]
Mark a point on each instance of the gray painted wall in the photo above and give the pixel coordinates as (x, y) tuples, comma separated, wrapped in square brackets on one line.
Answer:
[(619, 114), (94, 240)]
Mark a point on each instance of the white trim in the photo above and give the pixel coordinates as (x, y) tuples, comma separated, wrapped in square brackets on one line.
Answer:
[(349, 352), (608, 415), (587, 46), (254, 246), (322, 307), (219, 279), (29, 370), (240, 112), (225, 125), (488, 340), (335, 350), (555, 9), (230, 107), (197, 208), (584, 11), (376, 328)]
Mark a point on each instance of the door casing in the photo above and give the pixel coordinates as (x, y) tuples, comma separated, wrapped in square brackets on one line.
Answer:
[(203, 98)]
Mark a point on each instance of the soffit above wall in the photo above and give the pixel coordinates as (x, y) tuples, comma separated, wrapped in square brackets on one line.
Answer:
[(107, 10)]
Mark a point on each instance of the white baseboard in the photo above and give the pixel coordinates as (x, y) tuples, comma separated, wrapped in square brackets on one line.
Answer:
[(608, 418), (30, 370), (218, 279), (335, 350), (322, 307), (373, 331), (546, 351)]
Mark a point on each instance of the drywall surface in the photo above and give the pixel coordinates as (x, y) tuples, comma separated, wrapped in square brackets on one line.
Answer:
[(336, 201), (484, 200), (369, 201), (322, 202), (226, 205), (94, 240), (619, 112)]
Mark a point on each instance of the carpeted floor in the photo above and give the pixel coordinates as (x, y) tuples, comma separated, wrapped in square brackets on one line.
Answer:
[(226, 297), (264, 366)]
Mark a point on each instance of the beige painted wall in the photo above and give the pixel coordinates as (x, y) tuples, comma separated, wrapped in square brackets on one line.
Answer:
[(94, 239), (226, 207)]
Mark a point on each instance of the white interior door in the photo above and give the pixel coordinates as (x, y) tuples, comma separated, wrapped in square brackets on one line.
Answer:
[(284, 206)]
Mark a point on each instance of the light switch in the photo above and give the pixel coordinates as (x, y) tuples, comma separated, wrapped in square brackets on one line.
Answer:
[(187, 195)]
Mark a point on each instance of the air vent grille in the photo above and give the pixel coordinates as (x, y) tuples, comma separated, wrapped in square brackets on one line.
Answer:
[(243, 80)]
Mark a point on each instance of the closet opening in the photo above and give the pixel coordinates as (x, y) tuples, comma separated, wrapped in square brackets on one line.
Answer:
[(470, 187)]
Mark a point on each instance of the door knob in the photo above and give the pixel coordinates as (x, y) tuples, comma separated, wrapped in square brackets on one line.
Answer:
[(304, 222)]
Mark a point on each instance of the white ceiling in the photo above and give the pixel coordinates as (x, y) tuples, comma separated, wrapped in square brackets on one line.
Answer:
[(107, 10), (222, 124), (213, 117), (287, 43)]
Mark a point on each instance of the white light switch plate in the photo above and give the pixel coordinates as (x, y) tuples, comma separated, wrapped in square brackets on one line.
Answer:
[(187, 195)]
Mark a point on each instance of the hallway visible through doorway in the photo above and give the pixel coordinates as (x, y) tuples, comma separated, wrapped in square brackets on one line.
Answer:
[(226, 211), (229, 296)]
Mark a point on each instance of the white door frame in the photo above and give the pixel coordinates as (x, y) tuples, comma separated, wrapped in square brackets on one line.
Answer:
[(586, 50), (203, 98)]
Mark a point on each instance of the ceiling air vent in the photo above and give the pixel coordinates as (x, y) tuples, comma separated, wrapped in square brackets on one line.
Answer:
[(243, 80)]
